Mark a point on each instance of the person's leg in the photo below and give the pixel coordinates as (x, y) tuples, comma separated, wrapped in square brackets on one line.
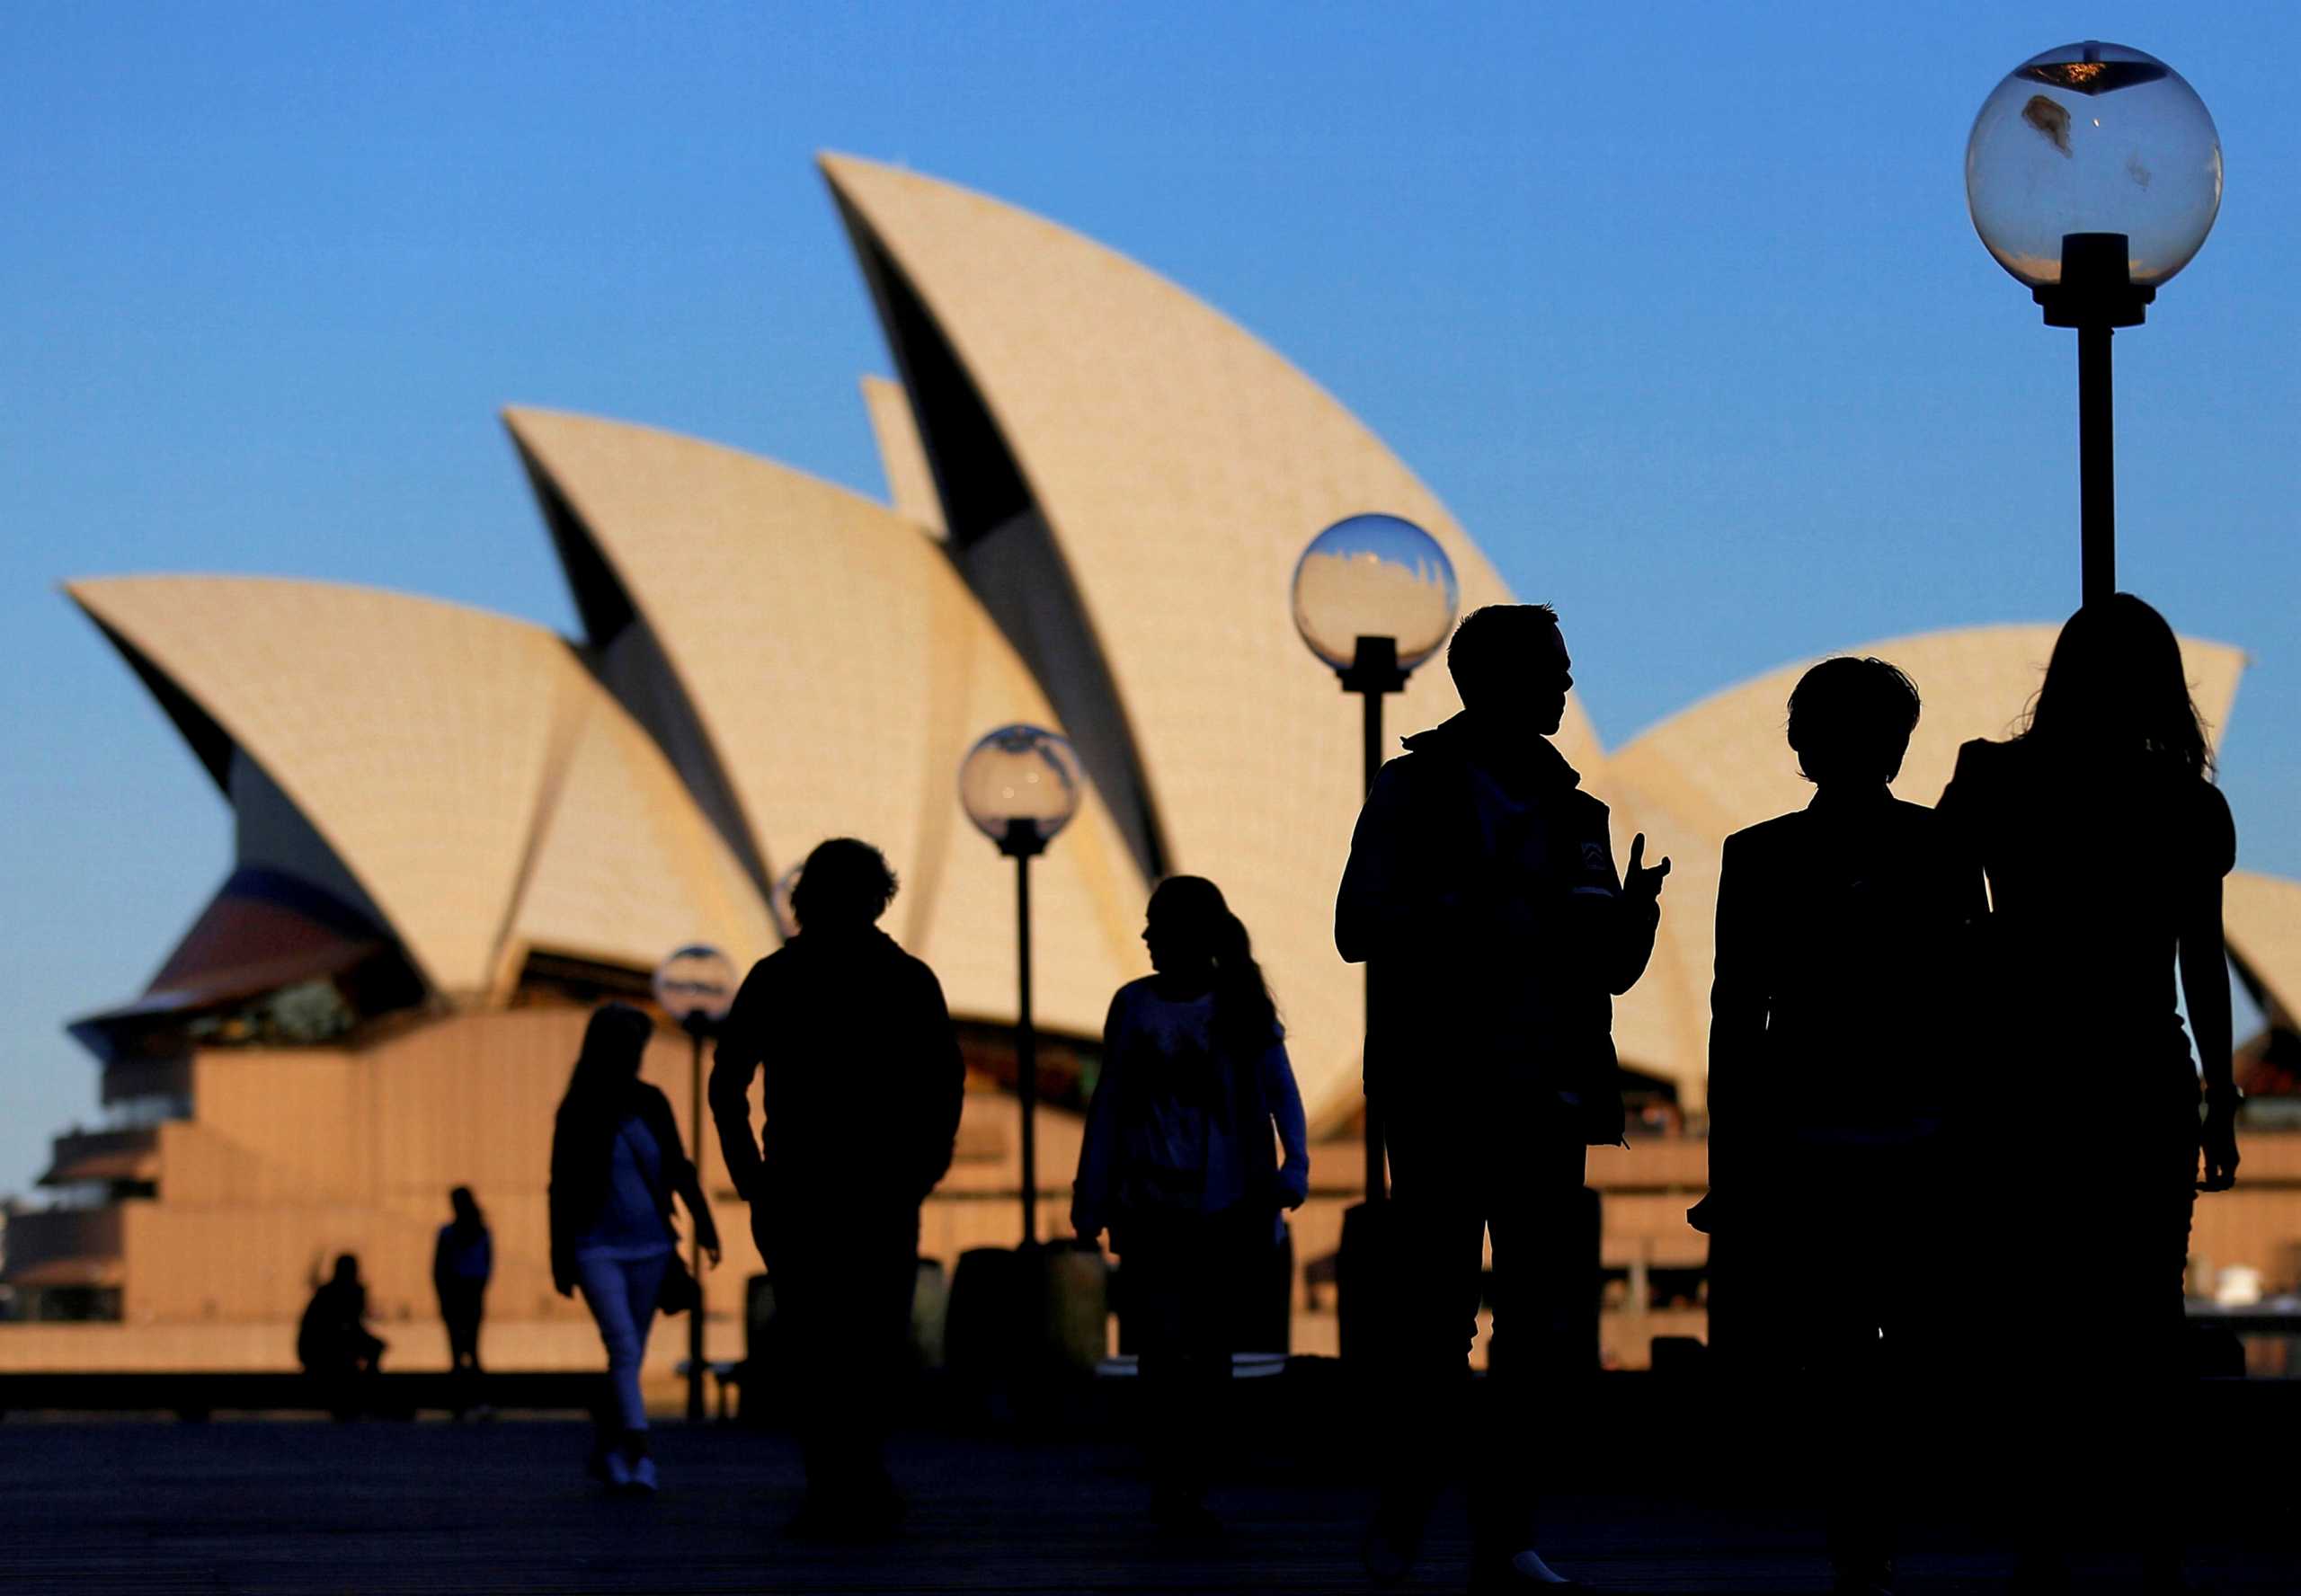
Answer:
[(643, 1285), (1158, 1262), (1435, 1244), (1543, 1355), (613, 1290)]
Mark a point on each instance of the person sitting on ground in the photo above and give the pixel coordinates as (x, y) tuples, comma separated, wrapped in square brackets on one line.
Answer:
[(1181, 1164), (333, 1341)]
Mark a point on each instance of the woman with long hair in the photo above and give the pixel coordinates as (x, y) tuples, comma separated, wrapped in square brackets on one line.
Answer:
[(1194, 1142), (2105, 843), (615, 1160)]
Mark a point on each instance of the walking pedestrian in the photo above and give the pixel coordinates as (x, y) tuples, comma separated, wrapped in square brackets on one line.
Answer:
[(1482, 897), (616, 1161), (1195, 1146), (463, 1257), (862, 1090)]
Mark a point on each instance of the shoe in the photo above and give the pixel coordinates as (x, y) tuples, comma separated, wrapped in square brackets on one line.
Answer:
[(616, 1469), (642, 1473), (1393, 1538), (1521, 1571)]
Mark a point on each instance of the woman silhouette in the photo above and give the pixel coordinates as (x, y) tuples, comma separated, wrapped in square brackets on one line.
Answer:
[(616, 1159), (1180, 1163), (2105, 843)]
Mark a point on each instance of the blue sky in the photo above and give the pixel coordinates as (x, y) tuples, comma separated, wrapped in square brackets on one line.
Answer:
[(1677, 307)]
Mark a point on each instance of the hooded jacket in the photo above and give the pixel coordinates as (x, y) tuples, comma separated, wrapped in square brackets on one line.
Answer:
[(1481, 895)]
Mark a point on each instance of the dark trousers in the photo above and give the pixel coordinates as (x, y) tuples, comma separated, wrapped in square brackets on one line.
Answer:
[(842, 1315), (1831, 1309), (1467, 1170), (2100, 1398), (1187, 1279), (460, 1308)]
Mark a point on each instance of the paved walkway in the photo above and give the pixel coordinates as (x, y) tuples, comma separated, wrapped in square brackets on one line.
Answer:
[(155, 1507)]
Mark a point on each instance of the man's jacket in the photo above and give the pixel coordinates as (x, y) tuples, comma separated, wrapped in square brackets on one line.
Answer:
[(1482, 894)]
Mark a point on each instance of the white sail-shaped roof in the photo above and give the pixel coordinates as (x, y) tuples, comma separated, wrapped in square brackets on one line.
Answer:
[(840, 670), (480, 787)]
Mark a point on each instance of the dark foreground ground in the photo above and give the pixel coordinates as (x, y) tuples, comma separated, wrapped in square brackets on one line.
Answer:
[(155, 1506)]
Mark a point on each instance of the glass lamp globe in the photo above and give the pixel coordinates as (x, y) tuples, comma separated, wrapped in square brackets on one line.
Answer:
[(696, 983), (1020, 773), (2093, 138), (1375, 576)]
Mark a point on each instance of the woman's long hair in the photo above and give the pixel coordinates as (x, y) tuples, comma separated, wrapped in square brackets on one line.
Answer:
[(1246, 1019), (2116, 683), (599, 1090)]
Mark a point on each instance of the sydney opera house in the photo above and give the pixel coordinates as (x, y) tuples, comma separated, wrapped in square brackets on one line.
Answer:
[(455, 830)]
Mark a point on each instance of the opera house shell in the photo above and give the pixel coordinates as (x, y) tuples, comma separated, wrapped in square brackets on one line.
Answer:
[(456, 830)]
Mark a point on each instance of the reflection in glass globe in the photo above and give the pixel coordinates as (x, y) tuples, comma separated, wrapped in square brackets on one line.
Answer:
[(697, 980), (2094, 138), (1375, 576), (1020, 773)]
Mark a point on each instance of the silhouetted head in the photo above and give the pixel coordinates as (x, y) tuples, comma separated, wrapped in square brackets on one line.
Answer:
[(2116, 684), (614, 1044), (844, 883), (1510, 666), (467, 1206), (1193, 935), (347, 1269), (1850, 722)]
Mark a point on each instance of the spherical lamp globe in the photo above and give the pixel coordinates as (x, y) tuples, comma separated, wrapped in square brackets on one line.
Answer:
[(2094, 138), (1375, 576), (695, 985), (1021, 780)]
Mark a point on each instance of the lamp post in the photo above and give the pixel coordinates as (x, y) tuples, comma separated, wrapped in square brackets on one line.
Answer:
[(2093, 174), (1021, 785), (696, 987), (1373, 596)]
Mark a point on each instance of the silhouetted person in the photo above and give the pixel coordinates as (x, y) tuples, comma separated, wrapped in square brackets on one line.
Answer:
[(2106, 842), (1840, 1050), (1194, 1142), (462, 1259), (616, 1161), (1482, 896), (862, 1082), (334, 1343)]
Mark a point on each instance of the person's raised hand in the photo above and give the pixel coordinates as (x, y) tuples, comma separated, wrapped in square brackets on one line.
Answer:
[(2219, 1137), (1640, 881)]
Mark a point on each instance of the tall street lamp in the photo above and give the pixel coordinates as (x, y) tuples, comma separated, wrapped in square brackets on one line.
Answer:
[(1373, 596), (696, 987), (1021, 785), (2093, 174)]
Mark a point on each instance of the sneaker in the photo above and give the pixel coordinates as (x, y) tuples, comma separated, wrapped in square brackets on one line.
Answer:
[(643, 1477), (1523, 1571), (616, 1469)]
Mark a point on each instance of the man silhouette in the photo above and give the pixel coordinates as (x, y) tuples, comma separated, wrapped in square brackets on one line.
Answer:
[(1842, 931), (1482, 896), (862, 1094)]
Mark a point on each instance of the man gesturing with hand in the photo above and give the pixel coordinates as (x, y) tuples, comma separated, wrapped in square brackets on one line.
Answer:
[(1482, 894)]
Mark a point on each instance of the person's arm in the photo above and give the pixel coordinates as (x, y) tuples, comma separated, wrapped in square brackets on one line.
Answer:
[(557, 1196), (946, 1081), (681, 1175), (1636, 914), (740, 1055), (1384, 902), (1284, 1098), (1738, 1002), (1091, 1188), (486, 1256), (440, 1263), (2205, 992)]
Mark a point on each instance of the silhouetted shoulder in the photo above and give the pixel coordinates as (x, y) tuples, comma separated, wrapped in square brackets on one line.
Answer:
[(1768, 835), (2215, 829)]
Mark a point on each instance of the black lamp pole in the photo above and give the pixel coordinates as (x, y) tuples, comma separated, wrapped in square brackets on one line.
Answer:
[(698, 1025), (1373, 670), (2096, 296), (1022, 843)]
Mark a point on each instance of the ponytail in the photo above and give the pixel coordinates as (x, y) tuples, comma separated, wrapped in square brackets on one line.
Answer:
[(1246, 1019)]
